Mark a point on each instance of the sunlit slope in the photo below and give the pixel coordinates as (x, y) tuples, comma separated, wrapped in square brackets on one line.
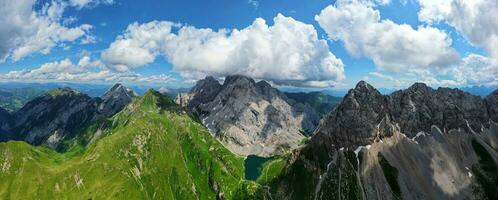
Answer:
[(150, 150)]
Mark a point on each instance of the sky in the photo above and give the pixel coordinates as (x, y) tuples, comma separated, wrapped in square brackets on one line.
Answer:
[(290, 43)]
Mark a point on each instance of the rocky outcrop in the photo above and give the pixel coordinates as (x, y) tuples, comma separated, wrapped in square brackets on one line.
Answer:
[(364, 114), (51, 117), (492, 104), (418, 143), (61, 113), (249, 117), (420, 107), (204, 91), (5, 123), (114, 100)]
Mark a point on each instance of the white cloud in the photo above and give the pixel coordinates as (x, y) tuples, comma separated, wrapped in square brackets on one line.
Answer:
[(476, 70), (472, 70), (476, 20), (24, 31), (85, 70), (287, 52), (89, 3), (391, 46)]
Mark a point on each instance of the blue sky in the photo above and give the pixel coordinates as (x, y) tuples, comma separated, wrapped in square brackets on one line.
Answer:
[(109, 21)]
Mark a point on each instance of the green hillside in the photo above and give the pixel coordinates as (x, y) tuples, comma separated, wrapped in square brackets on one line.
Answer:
[(150, 150), (14, 99)]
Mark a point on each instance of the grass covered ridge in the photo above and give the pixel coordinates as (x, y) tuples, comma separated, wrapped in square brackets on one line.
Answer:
[(150, 150)]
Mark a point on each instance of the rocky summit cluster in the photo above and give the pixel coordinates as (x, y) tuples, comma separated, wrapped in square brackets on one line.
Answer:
[(60, 113), (249, 117), (417, 143)]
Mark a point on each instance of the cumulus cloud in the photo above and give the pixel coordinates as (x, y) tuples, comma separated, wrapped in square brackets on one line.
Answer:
[(391, 46), (24, 31), (475, 70), (288, 52), (85, 70), (476, 20)]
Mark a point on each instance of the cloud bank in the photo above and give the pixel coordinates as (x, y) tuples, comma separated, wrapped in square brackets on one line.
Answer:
[(287, 52), (476, 20), (85, 70), (24, 31), (390, 46)]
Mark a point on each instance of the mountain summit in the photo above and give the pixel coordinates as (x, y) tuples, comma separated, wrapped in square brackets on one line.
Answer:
[(115, 99), (60, 113), (417, 143), (250, 117)]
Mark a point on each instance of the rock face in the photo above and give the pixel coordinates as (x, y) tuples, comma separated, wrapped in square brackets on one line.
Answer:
[(365, 115), (5, 123), (250, 118), (492, 104), (417, 143), (61, 113), (115, 99), (49, 118)]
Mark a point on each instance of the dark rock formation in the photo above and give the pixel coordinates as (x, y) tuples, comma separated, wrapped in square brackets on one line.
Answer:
[(114, 100), (61, 113), (425, 138), (492, 104)]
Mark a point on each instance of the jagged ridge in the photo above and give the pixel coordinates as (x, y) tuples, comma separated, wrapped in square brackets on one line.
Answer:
[(150, 150), (250, 117)]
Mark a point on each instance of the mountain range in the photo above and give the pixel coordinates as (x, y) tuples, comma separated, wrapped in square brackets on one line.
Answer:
[(416, 143)]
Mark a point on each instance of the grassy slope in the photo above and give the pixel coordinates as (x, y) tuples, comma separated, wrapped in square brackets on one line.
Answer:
[(148, 151)]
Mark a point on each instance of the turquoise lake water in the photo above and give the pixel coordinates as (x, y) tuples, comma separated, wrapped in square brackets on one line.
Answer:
[(253, 166)]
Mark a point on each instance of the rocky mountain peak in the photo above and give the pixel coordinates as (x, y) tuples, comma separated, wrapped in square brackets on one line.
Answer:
[(205, 85), (61, 92), (119, 91), (249, 117), (204, 90), (60, 113), (238, 80), (363, 93), (363, 86), (115, 99), (418, 86), (365, 115)]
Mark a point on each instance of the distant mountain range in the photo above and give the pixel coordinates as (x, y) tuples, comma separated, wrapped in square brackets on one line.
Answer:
[(416, 143), (93, 90), (13, 99), (322, 103)]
